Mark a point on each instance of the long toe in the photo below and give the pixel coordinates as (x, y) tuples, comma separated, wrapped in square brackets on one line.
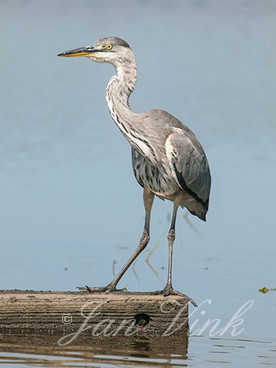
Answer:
[(171, 291), (92, 289), (98, 289)]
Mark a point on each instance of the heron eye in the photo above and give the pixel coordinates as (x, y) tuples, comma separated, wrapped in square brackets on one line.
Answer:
[(108, 46)]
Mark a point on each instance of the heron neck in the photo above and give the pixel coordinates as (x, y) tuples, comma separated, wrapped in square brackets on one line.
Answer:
[(131, 124), (118, 91)]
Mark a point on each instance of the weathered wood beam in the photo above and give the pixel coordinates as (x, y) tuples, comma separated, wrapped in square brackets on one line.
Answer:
[(105, 315)]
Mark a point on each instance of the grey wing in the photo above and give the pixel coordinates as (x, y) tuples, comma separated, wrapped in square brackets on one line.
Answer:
[(190, 165)]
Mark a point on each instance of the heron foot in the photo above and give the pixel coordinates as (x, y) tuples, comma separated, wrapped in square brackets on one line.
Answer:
[(110, 288), (169, 290)]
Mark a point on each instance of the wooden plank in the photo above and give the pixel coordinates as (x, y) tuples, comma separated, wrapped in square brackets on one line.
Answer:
[(74, 314)]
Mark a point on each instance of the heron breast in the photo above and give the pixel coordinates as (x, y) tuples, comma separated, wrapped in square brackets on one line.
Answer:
[(157, 179)]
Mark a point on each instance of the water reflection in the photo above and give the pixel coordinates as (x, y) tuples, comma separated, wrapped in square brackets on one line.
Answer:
[(43, 351), (132, 352)]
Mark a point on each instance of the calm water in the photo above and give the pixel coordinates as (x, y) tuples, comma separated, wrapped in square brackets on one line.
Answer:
[(71, 211)]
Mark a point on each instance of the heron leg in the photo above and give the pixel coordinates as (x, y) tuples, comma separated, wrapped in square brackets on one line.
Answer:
[(171, 237), (148, 201), (168, 289)]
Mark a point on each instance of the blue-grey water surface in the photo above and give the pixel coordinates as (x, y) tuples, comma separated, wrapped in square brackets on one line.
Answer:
[(71, 211)]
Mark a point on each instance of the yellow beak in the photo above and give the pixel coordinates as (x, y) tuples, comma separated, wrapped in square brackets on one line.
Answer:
[(82, 51)]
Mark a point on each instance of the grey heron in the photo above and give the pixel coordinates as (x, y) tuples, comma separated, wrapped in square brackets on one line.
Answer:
[(168, 161)]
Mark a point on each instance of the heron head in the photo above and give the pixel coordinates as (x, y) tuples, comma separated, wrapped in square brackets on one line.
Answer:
[(106, 50)]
